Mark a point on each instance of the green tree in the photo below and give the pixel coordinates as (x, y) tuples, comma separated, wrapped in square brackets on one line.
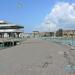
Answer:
[(59, 33)]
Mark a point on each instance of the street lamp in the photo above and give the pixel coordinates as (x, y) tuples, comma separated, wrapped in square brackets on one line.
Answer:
[(48, 26)]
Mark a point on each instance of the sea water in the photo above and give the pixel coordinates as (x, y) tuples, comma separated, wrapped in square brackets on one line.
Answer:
[(67, 41)]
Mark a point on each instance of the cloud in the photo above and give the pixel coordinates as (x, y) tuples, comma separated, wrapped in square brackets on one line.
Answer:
[(61, 16)]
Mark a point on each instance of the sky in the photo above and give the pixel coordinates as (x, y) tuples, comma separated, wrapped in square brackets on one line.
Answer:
[(42, 15)]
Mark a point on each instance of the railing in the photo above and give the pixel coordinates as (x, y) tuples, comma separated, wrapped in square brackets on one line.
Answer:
[(11, 39), (3, 40), (63, 40)]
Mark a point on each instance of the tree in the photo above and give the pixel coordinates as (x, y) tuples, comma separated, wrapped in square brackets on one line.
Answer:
[(59, 33)]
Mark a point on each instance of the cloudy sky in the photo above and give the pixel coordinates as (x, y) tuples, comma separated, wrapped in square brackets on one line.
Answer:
[(42, 15), (62, 15)]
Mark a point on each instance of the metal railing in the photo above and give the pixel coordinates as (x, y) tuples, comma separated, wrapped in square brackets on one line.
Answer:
[(11, 39)]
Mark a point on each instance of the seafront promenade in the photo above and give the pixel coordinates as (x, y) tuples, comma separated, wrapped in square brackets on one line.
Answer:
[(34, 57)]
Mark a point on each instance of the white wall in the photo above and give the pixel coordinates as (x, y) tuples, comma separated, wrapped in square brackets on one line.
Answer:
[(6, 35), (10, 30)]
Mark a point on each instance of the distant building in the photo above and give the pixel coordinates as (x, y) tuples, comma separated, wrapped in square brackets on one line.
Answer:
[(42, 34), (68, 33), (46, 34), (28, 35), (35, 34)]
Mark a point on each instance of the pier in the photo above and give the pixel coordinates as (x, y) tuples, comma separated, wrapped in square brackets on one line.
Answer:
[(34, 57)]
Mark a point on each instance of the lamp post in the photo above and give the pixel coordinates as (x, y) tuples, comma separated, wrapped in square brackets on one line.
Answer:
[(48, 26), (72, 38)]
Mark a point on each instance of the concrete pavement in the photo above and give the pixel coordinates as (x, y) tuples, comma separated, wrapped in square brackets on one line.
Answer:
[(34, 57)]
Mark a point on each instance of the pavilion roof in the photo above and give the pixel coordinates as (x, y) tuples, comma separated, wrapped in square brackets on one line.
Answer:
[(6, 25)]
